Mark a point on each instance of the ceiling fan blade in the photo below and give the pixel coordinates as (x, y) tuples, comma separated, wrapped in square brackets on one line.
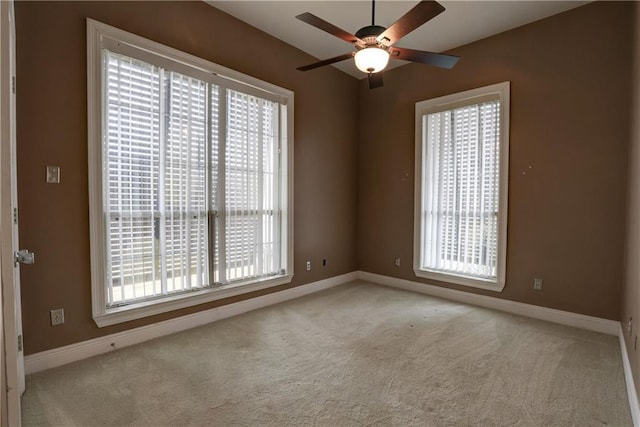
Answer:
[(421, 13), (329, 28), (436, 59), (326, 62), (375, 80)]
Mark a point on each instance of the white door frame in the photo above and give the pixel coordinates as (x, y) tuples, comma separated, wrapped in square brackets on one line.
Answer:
[(11, 307)]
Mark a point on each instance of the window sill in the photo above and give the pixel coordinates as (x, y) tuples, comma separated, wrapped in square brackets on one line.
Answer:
[(461, 280), (135, 311)]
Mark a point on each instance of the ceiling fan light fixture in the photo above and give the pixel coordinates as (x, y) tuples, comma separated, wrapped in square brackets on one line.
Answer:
[(375, 44), (371, 59)]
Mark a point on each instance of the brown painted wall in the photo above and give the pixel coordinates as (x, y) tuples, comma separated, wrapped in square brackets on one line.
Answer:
[(570, 96), (570, 77), (52, 130), (630, 307)]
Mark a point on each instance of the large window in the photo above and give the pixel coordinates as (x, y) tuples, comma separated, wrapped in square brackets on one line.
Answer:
[(189, 171), (461, 187)]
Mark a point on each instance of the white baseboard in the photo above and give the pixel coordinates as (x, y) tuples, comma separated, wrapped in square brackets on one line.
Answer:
[(82, 350), (628, 379), (590, 323)]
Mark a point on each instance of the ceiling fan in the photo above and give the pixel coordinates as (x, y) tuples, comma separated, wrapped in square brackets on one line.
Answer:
[(374, 45)]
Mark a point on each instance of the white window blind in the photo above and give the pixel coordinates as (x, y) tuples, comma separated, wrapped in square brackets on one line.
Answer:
[(175, 176), (251, 196), (156, 166), (461, 190), (462, 154)]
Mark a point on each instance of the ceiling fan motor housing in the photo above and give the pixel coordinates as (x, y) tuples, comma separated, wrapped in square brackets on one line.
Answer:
[(369, 35)]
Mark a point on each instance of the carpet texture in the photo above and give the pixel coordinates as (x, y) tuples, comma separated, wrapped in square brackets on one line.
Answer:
[(357, 354)]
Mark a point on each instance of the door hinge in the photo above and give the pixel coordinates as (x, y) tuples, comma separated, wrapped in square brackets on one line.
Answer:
[(19, 342), (13, 84), (15, 215)]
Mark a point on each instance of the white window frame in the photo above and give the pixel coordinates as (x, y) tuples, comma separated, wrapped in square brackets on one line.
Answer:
[(444, 103), (99, 36)]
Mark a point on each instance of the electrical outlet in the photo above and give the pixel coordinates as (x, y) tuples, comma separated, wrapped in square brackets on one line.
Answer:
[(630, 326), (324, 262), (57, 316), (537, 284), (308, 265), (396, 261)]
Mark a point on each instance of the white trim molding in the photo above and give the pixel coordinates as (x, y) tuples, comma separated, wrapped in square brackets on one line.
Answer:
[(102, 38), (60, 356), (71, 353), (567, 318), (628, 379), (426, 243)]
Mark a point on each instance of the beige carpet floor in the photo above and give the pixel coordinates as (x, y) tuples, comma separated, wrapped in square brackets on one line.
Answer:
[(355, 355)]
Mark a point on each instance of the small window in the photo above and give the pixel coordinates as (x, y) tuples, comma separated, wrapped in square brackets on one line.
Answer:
[(189, 177), (462, 152)]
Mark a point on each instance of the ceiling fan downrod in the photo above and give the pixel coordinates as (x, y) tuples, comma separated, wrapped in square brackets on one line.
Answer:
[(373, 12)]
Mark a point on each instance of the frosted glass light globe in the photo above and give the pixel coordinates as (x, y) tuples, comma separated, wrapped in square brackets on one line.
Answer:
[(371, 59)]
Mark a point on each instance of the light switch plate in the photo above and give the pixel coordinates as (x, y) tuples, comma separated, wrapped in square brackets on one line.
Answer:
[(53, 174), (57, 316)]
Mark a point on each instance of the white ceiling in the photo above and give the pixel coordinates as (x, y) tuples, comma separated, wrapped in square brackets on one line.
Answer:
[(462, 22)]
